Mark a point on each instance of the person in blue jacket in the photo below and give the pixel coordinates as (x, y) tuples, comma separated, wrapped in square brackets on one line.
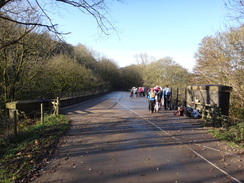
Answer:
[(166, 97)]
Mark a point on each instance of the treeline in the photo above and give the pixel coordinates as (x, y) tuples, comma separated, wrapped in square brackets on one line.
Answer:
[(36, 65)]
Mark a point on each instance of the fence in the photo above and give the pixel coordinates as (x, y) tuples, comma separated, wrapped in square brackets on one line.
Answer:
[(210, 107), (211, 101), (214, 114), (178, 97), (19, 111)]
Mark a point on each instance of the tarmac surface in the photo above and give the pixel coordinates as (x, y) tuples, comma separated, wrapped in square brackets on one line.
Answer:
[(114, 139)]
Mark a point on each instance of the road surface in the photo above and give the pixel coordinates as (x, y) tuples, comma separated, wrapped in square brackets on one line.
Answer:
[(114, 139)]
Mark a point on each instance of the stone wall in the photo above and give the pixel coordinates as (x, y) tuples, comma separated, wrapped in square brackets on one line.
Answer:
[(31, 108), (209, 94)]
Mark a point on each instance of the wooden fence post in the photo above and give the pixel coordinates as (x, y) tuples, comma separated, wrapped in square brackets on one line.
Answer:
[(203, 111), (177, 98), (58, 106), (186, 95), (15, 122), (214, 115)]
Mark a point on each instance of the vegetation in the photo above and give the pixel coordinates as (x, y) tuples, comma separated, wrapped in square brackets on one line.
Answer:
[(166, 71), (35, 64), (33, 14), (20, 156), (220, 61), (234, 135)]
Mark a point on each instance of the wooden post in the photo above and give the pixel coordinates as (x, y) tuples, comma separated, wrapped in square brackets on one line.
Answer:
[(15, 122), (177, 98), (58, 105), (171, 98), (203, 111), (186, 96), (214, 115), (208, 111), (42, 113)]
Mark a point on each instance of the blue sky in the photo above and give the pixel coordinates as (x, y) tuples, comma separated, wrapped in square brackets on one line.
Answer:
[(159, 28)]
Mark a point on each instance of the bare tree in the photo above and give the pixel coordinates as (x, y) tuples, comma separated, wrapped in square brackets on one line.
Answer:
[(144, 59), (22, 12), (236, 8)]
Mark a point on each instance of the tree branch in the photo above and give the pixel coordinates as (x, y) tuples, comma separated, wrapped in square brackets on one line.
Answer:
[(16, 40), (4, 2), (96, 8)]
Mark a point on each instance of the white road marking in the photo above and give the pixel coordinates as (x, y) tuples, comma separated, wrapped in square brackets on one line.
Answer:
[(207, 147), (178, 140)]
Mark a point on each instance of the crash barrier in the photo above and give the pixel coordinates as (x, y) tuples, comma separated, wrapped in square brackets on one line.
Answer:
[(35, 109)]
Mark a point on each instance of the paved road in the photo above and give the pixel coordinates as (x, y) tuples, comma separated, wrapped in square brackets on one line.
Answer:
[(115, 139)]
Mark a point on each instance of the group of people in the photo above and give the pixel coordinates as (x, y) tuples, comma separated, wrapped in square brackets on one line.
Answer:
[(137, 92), (159, 96)]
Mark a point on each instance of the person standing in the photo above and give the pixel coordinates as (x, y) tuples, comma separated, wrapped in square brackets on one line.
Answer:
[(166, 97), (158, 98), (131, 92), (151, 96), (135, 92)]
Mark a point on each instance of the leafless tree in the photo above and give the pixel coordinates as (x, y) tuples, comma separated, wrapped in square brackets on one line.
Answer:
[(22, 11), (144, 59), (236, 8)]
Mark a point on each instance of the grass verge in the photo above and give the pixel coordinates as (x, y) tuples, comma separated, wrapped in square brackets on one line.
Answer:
[(21, 155), (233, 135)]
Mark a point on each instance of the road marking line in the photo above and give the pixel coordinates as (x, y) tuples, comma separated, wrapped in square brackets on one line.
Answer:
[(178, 140), (207, 147)]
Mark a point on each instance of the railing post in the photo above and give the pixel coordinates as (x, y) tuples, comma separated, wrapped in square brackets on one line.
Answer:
[(177, 98), (58, 106), (15, 112), (186, 95), (214, 112), (203, 111)]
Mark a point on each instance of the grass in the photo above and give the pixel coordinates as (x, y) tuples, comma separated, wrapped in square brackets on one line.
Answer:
[(21, 155), (233, 135)]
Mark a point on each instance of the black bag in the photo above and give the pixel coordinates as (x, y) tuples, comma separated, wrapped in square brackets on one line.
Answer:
[(188, 111)]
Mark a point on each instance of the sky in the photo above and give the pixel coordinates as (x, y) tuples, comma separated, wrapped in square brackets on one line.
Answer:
[(159, 28)]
